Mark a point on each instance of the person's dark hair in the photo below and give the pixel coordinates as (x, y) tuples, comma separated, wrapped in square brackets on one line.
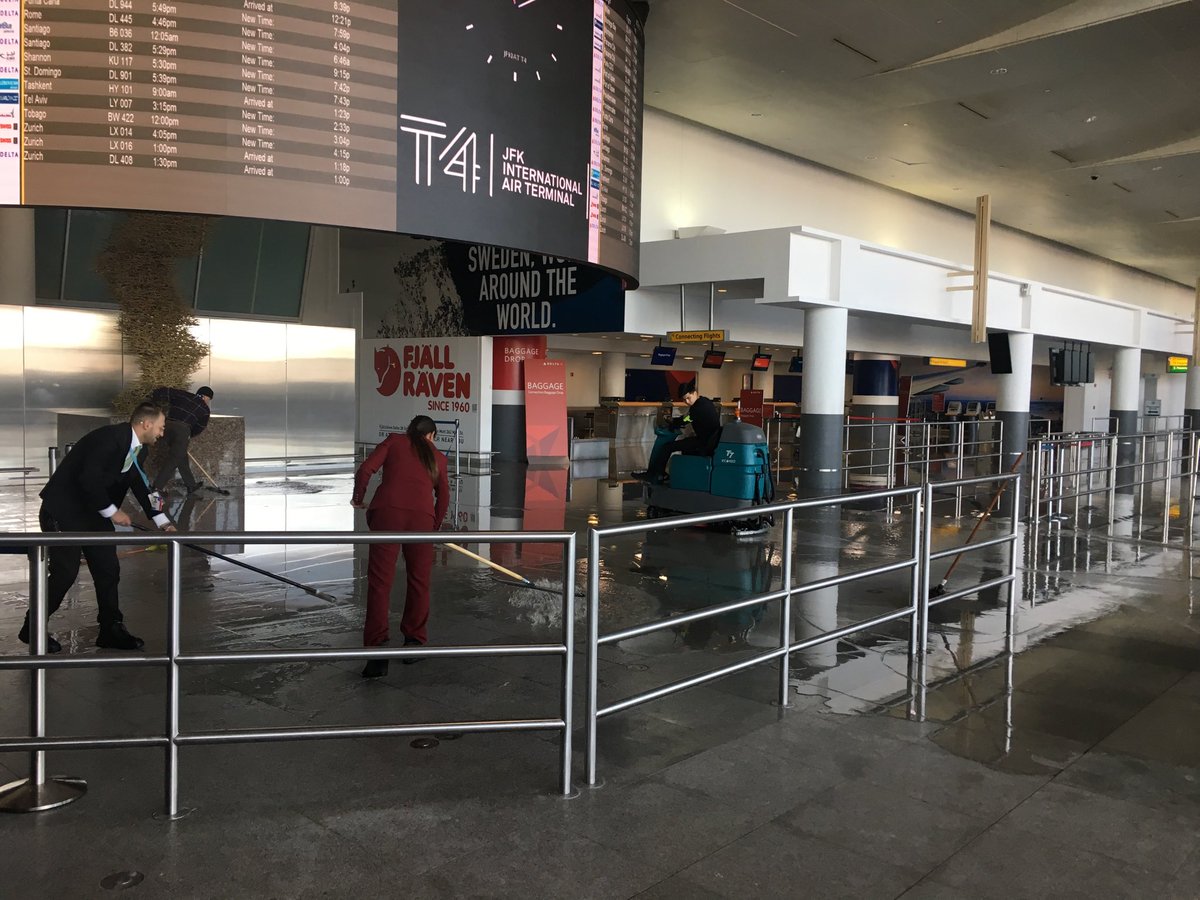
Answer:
[(418, 428), (145, 412), (685, 389), (205, 391)]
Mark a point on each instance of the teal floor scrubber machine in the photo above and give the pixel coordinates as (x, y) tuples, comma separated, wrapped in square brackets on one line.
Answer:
[(734, 476)]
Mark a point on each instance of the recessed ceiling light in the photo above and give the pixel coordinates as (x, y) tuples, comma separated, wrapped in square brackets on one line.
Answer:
[(905, 124), (646, 336), (597, 353), (1000, 71), (1156, 169), (689, 357), (1089, 120), (725, 290)]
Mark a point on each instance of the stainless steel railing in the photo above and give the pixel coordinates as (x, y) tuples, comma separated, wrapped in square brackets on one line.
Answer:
[(917, 563), (36, 791), (1076, 467)]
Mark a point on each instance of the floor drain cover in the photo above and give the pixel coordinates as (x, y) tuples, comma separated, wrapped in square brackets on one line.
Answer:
[(425, 743), (118, 881)]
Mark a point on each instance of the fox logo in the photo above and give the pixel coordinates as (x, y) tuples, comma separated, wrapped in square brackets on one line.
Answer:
[(387, 370)]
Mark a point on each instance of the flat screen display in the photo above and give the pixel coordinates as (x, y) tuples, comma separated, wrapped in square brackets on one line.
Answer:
[(713, 359), (796, 366), (760, 362), (516, 124), (663, 356)]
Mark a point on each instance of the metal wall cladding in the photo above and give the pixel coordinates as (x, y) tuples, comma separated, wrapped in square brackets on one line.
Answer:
[(293, 384), (12, 391), (72, 362)]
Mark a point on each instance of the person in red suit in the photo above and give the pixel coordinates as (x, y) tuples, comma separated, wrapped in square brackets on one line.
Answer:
[(413, 496)]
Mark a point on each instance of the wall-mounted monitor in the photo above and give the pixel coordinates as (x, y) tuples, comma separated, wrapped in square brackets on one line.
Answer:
[(796, 366), (663, 356), (713, 359), (760, 362)]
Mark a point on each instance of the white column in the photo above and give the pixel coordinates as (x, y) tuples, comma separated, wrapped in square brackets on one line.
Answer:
[(1127, 379), (612, 374), (1126, 388), (825, 362)]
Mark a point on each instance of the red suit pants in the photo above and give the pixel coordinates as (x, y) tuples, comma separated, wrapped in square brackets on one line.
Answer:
[(381, 572)]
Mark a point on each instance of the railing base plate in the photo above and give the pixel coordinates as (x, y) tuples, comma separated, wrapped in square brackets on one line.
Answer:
[(25, 797)]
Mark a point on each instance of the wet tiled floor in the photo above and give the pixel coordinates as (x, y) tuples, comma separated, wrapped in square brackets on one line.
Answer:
[(1070, 767)]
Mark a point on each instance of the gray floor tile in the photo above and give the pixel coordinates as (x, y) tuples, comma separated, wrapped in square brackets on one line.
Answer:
[(1007, 861), (666, 827), (751, 779), (1165, 731), (990, 739), (1143, 837), (1146, 782), (549, 866), (884, 823), (775, 862)]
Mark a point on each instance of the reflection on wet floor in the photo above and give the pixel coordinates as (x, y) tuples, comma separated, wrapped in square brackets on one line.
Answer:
[(1091, 608)]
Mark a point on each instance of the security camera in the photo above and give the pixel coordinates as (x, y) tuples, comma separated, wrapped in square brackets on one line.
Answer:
[(1095, 178)]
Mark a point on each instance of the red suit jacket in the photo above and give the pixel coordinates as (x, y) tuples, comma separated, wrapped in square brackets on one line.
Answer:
[(406, 483)]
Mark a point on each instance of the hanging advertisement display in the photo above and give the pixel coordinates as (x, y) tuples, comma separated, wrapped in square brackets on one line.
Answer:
[(441, 378)]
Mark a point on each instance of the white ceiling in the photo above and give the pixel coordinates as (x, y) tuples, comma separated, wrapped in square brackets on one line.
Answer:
[(1040, 103)]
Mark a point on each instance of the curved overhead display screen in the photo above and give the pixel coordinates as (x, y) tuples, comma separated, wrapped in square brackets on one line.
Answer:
[(508, 122)]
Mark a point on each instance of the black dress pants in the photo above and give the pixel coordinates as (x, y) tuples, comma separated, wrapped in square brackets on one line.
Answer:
[(64, 564), (658, 462), (177, 437)]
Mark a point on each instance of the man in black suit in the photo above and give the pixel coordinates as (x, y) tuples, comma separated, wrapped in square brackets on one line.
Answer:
[(85, 494)]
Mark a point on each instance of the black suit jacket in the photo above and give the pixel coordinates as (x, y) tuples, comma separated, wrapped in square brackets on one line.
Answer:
[(89, 478)]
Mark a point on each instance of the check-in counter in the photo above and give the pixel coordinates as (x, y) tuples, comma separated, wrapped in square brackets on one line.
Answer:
[(627, 423)]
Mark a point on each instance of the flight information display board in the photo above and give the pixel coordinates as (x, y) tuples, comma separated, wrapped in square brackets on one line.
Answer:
[(507, 122)]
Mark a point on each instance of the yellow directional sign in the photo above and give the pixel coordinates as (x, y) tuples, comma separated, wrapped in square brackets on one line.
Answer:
[(695, 337)]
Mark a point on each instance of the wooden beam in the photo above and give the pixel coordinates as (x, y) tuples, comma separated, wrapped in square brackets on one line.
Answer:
[(983, 222), (1196, 327)]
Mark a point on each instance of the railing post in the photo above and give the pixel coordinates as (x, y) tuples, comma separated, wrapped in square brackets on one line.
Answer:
[(1166, 521), (593, 660), (1014, 531), (171, 776), (960, 472), (915, 586), (1195, 465), (1112, 480), (785, 611), (926, 547), (37, 793), (52, 459), (568, 664)]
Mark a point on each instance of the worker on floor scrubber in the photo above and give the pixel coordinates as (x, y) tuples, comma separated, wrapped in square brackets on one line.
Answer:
[(705, 422), (725, 469)]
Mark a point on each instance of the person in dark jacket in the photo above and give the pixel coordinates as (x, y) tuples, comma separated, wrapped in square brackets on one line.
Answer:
[(705, 419), (413, 496), (187, 416), (85, 494)]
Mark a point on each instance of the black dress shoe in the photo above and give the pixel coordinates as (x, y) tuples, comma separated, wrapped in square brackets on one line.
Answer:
[(375, 668), (198, 486), (117, 637), (412, 660), (52, 646), (640, 476)]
